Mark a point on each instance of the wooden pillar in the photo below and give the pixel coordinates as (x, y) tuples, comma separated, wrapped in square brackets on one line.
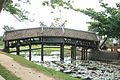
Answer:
[(86, 53), (42, 52), (18, 50), (6, 46), (83, 54), (61, 52), (73, 53), (30, 52), (18, 47)]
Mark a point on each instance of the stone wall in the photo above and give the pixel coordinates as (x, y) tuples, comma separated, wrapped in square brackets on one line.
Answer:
[(104, 56)]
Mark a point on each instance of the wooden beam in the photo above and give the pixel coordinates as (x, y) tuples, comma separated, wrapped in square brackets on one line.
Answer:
[(24, 50), (51, 47)]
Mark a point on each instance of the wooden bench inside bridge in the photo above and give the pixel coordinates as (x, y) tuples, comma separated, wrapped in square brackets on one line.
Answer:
[(50, 36)]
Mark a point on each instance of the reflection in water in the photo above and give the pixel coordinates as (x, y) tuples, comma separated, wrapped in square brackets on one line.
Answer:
[(90, 70)]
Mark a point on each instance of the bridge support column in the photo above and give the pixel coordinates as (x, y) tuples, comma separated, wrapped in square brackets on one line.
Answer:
[(42, 52), (73, 53), (29, 52), (61, 52), (6, 46), (84, 54), (18, 50)]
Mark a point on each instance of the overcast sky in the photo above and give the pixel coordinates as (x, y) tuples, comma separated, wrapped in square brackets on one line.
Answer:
[(41, 13)]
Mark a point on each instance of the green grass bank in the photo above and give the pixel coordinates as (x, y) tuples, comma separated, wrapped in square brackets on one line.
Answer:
[(7, 75), (45, 70)]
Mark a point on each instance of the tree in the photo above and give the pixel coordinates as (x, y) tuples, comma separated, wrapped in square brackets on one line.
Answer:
[(14, 9), (58, 3), (1, 40), (106, 23)]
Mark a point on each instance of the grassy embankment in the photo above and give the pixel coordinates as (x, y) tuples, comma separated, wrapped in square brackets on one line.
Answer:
[(1, 44), (45, 70), (1, 47), (7, 75)]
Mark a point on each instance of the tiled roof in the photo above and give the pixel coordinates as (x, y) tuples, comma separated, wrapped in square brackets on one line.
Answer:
[(49, 32)]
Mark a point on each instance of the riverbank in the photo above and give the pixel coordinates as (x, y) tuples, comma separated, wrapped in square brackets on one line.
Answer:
[(27, 70)]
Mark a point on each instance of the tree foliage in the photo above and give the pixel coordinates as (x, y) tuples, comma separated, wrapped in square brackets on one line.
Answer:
[(59, 3), (15, 9), (1, 40), (106, 23)]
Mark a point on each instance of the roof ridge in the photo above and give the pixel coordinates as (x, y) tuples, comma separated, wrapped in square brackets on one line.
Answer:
[(51, 28)]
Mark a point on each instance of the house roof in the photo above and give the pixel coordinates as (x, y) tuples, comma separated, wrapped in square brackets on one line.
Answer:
[(49, 32)]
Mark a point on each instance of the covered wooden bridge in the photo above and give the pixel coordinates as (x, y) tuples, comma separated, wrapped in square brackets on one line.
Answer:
[(50, 36)]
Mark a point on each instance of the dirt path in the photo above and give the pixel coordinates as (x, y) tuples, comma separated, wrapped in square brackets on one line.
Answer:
[(22, 72), (1, 78)]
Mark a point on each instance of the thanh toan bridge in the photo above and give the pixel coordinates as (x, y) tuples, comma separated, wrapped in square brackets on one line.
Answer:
[(15, 39)]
